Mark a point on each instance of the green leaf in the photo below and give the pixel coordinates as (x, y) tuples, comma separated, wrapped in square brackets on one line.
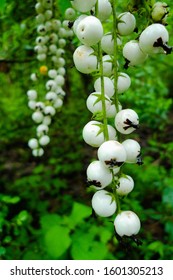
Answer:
[(79, 213), (157, 247), (57, 241), (9, 199), (2, 5), (63, 5), (2, 251), (86, 248), (49, 221)]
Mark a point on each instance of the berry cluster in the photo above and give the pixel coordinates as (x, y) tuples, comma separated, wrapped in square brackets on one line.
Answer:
[(51, 39), (97, 54)]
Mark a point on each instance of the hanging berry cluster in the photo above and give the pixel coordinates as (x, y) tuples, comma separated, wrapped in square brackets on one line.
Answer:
[(46, 95), (110, 124)]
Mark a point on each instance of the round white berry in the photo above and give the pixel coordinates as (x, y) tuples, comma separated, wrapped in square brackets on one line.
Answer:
[(58, 103), (133, 150), (94, 103), (44, 140), (93, 133), (83, 6), (107, 43), (41, 56), (112, 154), (123, 82), (89, 31), (51, 96), (108, 86), (104, 9), (103, 204), (32, 104), (51, 85), (32, 94), (48, 14), (84, 59), (39, 106), (126, 121), (33, 143), (126, 24), (70, 14), (49, 110), (98, 175), (37, 152), (52, 73), (42, 129), (133, 53), (125, 185), (107, 65), (152, 38), (37, 117), (47, 120), (127, 223), (59, 79)]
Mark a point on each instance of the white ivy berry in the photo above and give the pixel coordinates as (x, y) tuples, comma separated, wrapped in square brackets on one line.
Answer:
[(107, 65), (93, 134), (112, 154), (125, 185), (37, 152), (133, 53), (133, 151), (84, 59), (58, 103), (33, 143), (104, 9), (47, 120), (123, 82), (84, 5), (127, 23), (70, 14), (42, 129), (51, 96), (154, 39), (94, 103), (44, 140), (108, 86), (112, 111), (127, 223), (52, 73), (32, 94), (32, 104), (103, 204), (98, 175), (89, 31), (126, 121), (37, 117), (49, 110), (159, 11), (107, 43)]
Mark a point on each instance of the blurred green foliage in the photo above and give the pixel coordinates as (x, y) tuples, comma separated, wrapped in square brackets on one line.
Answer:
[(45, 208)]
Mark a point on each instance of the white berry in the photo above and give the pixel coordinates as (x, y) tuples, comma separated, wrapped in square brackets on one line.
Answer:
[(103, 204), (112, 154), (127, 223), (126, 121), (98, 175)]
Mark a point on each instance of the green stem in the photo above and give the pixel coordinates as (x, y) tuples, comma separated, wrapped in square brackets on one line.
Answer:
[(117, 200), (103, 98), (115, 57)]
